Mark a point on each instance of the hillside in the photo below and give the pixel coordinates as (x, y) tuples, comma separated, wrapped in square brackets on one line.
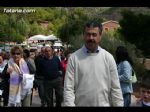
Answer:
[(114, 13)]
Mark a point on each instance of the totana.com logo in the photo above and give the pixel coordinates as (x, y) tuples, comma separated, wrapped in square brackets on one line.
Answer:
[(11, 10)]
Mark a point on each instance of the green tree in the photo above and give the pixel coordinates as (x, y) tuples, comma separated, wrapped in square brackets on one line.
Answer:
[(35, 29), (135, 29), (13, 28), (73, 26), (3, 28)]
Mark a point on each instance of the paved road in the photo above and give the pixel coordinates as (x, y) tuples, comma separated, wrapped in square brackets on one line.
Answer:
[(36, 99)]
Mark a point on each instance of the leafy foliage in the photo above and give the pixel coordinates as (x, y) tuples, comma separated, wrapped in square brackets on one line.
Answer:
[(19, 25), (13, 29), (135, 29), (74, 24)]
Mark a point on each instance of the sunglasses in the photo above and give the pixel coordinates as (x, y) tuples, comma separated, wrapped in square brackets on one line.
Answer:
[(16, 53)]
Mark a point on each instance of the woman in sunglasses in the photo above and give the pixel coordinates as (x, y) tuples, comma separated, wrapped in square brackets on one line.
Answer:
[(14, 74)]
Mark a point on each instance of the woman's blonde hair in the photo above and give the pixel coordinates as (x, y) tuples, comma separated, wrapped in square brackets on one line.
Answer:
[(14, 48)]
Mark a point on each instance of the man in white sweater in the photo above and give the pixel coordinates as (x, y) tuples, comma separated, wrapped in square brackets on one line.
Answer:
[(91, 78)]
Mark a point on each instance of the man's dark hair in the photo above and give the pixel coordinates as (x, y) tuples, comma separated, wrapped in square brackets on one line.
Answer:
[(26, 52), (145, 83), (94, 23), (52, 47)]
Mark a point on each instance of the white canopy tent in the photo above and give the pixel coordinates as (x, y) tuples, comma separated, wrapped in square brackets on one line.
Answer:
[(37, 37), (52, 37), (43, 37)]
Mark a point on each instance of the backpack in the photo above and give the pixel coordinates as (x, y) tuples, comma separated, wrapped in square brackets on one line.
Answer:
[(31, 68)]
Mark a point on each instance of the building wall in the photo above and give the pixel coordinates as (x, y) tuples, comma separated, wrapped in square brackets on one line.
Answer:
[(110, 25)]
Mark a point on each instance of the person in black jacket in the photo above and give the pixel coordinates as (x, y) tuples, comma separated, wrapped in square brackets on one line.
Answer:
[(52, 78), (39, 78), (5, 86), (2, 82)]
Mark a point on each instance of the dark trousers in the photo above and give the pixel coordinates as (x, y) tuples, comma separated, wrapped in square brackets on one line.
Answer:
[(52, 86), (6, 94), (40, 86), (127, 99)]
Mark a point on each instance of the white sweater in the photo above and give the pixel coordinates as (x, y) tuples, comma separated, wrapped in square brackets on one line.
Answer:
[(92, 80)]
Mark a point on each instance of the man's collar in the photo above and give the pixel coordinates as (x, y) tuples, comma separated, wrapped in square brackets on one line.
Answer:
[(87, 51)]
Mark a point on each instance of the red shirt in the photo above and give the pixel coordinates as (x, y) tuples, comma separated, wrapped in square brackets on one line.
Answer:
[(64, 66)]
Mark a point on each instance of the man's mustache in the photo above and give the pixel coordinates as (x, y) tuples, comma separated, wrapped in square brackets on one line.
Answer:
[(91, 41)]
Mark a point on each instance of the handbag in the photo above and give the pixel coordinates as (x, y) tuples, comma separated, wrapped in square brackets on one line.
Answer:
[(28, 81), (134, 78)]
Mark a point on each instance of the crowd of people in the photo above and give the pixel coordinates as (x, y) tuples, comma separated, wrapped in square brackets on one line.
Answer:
[(20, 73), (90, 76)]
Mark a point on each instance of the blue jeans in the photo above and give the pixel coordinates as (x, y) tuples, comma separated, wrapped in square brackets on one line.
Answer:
[(127, 99)]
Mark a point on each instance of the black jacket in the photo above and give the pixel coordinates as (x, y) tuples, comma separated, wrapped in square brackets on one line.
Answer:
[(52, 68), (39, 68)]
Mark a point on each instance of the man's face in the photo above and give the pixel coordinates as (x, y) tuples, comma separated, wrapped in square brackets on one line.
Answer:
[(145, 94), (42, 51), (48, 52), (92, 38)]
